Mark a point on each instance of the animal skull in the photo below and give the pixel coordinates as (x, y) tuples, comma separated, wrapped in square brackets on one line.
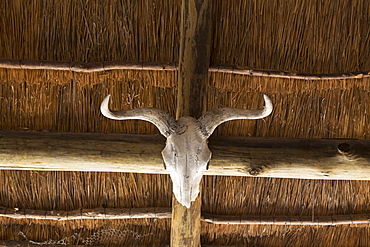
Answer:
[(186, 154)]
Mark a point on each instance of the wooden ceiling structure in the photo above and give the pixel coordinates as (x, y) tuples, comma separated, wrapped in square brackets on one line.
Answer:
[(69, 176)]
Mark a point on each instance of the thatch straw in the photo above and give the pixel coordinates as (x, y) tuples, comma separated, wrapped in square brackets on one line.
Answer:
[(312, 109), (54, 100), (299, 38), (285, 235), (305, 36), (65, 191), (90, 31), (133, 232), (315, 37), (279, 197), (69, 101)]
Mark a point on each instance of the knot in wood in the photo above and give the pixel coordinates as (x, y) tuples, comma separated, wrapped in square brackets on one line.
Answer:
[(347, 150)]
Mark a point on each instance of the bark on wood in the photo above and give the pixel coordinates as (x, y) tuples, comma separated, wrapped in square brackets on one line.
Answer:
[(232, 156), (169, 66)]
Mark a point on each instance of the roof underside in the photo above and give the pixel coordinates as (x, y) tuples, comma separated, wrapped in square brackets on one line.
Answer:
[(307, 36)]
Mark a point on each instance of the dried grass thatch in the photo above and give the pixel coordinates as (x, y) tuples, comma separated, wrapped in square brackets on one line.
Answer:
[(243, 196), (297, 37), (67, 101), (305, 36)]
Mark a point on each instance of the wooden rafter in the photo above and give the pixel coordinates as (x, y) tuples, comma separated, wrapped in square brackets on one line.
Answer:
[(170, 66), (244, 156)]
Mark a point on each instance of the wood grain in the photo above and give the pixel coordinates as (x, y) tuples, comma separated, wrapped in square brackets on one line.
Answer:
[(232, 156)]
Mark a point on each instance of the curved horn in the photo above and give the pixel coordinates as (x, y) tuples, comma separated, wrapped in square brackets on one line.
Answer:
[(161, 119), (213, 118)]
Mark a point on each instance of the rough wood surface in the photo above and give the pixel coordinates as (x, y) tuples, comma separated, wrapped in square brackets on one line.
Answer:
[(232, 156), (194, 58), (81, 152), (185, 225)]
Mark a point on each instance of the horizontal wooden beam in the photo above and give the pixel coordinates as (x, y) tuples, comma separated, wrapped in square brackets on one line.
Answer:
[(169, 66), (88, 214), (327, 220), (232, 156), (165, 213)]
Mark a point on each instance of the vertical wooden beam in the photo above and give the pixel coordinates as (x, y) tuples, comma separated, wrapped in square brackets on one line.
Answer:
[(185, 228), (194, 58)]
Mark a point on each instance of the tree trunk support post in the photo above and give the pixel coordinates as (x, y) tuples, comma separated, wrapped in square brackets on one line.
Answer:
[(194, 59)]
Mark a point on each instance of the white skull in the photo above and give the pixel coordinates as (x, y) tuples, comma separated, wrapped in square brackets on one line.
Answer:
[(186, 154), (186, 157)]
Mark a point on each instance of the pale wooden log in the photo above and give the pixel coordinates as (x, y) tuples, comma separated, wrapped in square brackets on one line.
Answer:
[(81, 152), (292, 158), (232, 156), (169, 66)]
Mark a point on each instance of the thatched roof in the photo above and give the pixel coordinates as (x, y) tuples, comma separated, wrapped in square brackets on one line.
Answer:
[(305, 37)]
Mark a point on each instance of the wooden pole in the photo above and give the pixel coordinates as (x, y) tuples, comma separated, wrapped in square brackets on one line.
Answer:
[(244, 156), (194, 58), (169, 66)]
